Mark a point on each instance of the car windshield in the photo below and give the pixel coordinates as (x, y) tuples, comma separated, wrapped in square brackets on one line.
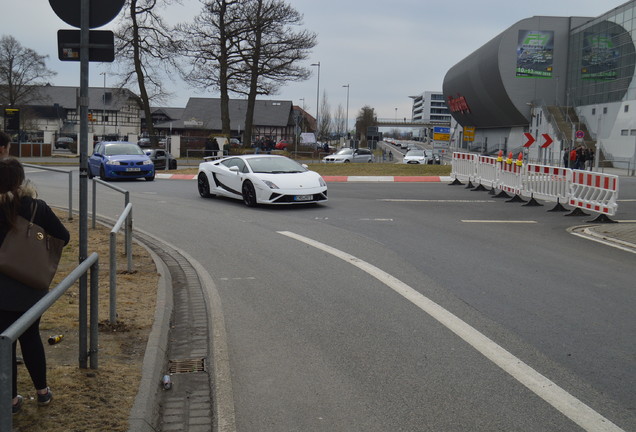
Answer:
[(345, 151), (419, 153), (274, 165), (122, 149)]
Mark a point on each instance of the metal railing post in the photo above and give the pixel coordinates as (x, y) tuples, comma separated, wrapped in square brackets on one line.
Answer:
[(70, 195), (94, 288), (6, 383), (113, 277), (129, 222), (94, 202)]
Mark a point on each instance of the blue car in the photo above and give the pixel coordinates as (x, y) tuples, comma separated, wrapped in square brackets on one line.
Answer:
[(120, 160)]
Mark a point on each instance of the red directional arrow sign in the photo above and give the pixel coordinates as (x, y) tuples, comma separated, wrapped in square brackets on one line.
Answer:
[(548, 140), (530, 139)]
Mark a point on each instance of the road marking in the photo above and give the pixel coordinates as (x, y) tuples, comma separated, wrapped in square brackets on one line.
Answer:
[(546, 389), (500, 221), (436, 201)]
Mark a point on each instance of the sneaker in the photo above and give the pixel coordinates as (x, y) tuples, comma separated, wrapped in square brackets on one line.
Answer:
[(18, 406), (45, 399)]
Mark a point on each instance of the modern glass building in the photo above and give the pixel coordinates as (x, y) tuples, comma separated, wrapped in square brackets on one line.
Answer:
[(560, 76)]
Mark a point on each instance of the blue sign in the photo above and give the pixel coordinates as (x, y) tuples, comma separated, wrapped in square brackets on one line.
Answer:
[(441, 130)]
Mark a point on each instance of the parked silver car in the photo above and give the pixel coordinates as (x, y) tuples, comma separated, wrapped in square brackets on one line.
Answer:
[(346, 155)]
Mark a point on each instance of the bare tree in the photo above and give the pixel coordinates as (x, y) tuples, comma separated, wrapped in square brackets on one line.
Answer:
[(366, 118), (324, 127), (271, 51), (210, 43), (339, 120), (144, 51), (22, 71)]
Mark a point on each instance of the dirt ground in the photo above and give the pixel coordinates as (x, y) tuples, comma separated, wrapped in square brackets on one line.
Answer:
[(85, 399)]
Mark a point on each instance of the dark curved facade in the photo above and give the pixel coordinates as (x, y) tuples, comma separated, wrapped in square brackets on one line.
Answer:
[(487, 89)]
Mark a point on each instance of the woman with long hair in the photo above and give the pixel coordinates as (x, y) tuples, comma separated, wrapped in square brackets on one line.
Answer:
[(17, 197)]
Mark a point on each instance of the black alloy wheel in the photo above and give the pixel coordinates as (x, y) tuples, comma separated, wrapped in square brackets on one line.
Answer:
[(203, 185), (249, 194)]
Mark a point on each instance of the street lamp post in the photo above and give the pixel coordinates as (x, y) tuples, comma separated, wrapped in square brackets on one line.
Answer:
[(104, 107), (317, 95), (347, 112)]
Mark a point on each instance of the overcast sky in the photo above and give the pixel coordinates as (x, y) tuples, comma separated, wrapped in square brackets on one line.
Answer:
[(385, 50)]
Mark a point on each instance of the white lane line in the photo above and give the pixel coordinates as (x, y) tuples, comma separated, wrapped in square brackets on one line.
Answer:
[(499, 221), (546, 389), (436, 201)]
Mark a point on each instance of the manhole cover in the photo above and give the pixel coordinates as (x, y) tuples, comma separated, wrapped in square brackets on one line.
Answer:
[(186, 366)]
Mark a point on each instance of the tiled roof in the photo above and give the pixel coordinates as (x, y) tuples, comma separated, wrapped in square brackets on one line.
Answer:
[(66, 97)]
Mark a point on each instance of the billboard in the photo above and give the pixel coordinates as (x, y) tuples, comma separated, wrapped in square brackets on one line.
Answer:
[(535, 49), (599, 61)]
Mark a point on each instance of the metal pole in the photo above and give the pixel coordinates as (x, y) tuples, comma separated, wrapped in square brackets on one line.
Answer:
[(347, 112), (129, 223), (634, 159), (94, 202), (83, 186), (70, 195), (6, 380), (317, 99), (113, 277), (104, 108), (94, 274)]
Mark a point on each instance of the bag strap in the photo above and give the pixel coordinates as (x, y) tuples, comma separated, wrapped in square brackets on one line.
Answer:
[(34, 209)]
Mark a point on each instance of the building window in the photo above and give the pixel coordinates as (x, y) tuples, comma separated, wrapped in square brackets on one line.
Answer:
[(593, 111), (604, 110), (633, 132), (624, 132), (626, 109)]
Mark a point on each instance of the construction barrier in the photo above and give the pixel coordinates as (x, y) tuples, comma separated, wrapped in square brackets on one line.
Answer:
[(586, 190), (463, 166), (510, 178), (547, 182), (486, 171), (594, 191)]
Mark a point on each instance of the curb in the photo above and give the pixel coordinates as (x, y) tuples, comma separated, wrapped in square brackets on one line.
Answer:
[(342, 179)]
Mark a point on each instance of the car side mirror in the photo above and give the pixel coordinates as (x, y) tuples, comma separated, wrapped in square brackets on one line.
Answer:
[(234, 169)]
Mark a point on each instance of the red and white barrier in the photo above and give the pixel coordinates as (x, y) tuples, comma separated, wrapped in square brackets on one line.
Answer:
[(463, 166), (487, 169), (594, 191), (547, 182), (510, 178)]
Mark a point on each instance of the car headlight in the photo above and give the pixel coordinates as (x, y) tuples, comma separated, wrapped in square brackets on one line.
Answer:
[(270, 184), (113, 162), (147, 162), (322, 182)]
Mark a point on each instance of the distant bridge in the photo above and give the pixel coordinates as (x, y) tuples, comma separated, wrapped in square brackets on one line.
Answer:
[(410, 123)]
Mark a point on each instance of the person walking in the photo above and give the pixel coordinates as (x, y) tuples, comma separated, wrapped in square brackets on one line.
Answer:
[(5, 145), (16, 199)]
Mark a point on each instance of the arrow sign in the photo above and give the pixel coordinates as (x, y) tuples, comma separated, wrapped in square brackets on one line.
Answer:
[(530, 139), (548, 140)]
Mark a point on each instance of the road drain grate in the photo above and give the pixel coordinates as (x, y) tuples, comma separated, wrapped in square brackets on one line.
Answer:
[(186, 366)]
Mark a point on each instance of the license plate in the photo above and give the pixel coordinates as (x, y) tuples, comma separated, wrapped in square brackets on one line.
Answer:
[(303, 197), (133, 169)]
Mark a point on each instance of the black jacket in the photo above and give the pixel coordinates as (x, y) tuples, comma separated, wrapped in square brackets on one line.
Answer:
[(14, 295)]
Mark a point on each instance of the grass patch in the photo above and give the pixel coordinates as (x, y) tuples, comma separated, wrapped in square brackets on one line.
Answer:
[(365, 169)]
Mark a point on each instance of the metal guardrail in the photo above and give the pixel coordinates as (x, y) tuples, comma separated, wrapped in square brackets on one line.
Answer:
[(126, 216), (11, 334), (70, 184), (108, 185)]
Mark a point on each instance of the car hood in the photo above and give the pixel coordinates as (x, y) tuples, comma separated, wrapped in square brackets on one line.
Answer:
[(337, 156), (128, 158), (307, 179)]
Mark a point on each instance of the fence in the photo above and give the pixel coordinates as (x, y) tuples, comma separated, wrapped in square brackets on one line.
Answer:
[(584, 190), (70, 184), (10, 335), (126, 216)]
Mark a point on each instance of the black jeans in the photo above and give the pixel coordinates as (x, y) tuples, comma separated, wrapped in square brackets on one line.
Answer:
[(32, 351)]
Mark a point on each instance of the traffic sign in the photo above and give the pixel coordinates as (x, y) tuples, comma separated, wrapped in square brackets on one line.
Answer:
[(101, 45), (530, 138), (548, 140), (580, 134), (101, 12)]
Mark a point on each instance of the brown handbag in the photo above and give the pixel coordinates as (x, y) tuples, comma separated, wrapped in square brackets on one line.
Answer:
[(29, 255)]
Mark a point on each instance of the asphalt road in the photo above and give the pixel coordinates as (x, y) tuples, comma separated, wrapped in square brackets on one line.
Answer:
[(407, 307)]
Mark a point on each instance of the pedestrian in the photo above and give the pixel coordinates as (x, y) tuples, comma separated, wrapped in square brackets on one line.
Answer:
[(5, 145), (211, 147), (573, 158), (590, 158), (566, 157), (581, 157), (390, 155), (16, 198)]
